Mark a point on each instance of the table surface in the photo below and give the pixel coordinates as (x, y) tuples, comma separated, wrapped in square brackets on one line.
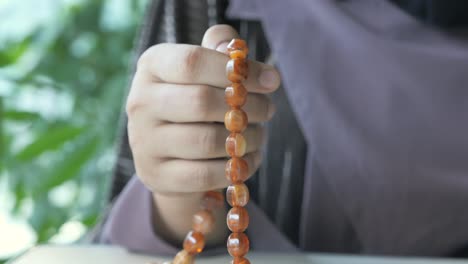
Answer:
[(92, 254)]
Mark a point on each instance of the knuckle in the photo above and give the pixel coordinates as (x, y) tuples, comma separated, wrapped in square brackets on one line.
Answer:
[(201, 178), (191, 59), (200, 99), (214, 33), (134, 138), (148, 55), (207, 141), (133, 104), (148, 174)]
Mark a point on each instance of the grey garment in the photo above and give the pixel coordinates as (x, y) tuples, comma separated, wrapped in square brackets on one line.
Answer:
[(383, 103), (129, 224), (277, 186)]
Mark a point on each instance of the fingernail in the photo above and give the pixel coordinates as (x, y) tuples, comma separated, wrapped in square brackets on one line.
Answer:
[(222, 47), (269, 79)]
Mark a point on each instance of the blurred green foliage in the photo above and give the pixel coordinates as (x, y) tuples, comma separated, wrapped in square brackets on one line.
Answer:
[(64, 71)]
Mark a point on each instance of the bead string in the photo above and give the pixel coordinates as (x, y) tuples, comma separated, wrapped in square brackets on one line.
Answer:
[(235, 120), (237, 193)]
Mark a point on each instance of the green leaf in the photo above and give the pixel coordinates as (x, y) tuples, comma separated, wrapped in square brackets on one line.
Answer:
[(11, 54), (45, 223), (51, 140), (91, 220), (20, 115), (69, 168)]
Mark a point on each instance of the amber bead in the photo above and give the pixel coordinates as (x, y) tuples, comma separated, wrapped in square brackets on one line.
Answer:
[(237, 219), (235, 95), (212, 200), (237, 54), (235, 120), (237, 48), (237, 195), (240, 260), (237, 170), (236, 70), (236, 145), (183, 257), (238, 244), (203, 221), (194, 242)]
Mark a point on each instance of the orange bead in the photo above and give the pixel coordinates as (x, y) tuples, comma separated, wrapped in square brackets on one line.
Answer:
[(237, 194), (236, 145), (237, 54), (237, 48), (194, 242), (237, 170), (235, 120), (237, 70), (238, 244), (183, 257), (240, 260), (237, 219), (235, 95), (212, 200), (203, 221)]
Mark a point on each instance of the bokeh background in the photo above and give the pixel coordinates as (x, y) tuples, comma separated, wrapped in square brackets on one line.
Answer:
[(64, 72)]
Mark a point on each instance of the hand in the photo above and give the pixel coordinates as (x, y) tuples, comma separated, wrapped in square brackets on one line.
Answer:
[(175, 112), (176, 108)]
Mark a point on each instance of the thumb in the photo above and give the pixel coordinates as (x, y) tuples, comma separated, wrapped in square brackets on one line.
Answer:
[(218, 37)]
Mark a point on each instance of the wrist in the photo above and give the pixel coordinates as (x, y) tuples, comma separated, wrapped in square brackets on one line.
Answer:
[(172, 214), (172, 217)]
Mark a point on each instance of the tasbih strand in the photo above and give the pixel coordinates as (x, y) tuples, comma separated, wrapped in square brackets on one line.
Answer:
[(202, 224), (237, 194), (235, 120)]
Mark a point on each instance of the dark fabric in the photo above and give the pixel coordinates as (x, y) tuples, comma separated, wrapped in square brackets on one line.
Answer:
[(441, 13), (277, 187), (382, 103)]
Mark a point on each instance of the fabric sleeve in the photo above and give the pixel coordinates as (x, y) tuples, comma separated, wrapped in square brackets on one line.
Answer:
[(129, 224)]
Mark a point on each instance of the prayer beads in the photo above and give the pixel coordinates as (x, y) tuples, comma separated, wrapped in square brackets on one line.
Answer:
[(236, 145), (235, 120), (212, 200), (236, 70), (240, 261), (235, 95), (194, 242), (238, 244), (237, 194), (202, 223), (238, 219), (236, 170), (183, 257)]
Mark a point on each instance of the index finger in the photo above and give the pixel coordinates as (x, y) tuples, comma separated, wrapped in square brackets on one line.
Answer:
[(190, 64)]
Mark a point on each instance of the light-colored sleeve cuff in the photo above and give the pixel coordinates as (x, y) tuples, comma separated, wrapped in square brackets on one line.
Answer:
[(129, 224)]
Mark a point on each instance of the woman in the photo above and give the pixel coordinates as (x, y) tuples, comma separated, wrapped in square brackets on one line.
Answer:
[(376, 162)]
